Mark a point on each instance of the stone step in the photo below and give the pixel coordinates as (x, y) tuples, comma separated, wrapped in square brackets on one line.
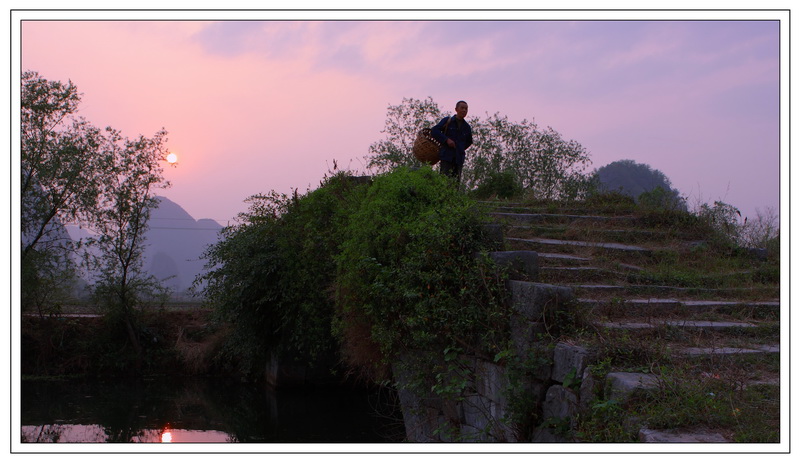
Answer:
[(650, 306), (560, 257), (729, 351), (566, 274), (562, 244), (681, 324), (590, 289), (571, 232), (500, 206), (620, 386), (687, 338), (531, 218)]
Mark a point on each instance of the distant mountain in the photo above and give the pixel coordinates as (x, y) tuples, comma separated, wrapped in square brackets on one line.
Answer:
[(175, 241)]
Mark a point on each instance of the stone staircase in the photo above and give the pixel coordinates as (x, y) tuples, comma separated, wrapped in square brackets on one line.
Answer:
[(638, 286)]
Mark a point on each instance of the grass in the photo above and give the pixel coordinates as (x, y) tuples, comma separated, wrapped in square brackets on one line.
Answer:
[(718, 399), (86, 307), (706, 397)]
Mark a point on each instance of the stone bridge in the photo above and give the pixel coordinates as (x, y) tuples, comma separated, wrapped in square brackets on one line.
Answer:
[(596, 271)]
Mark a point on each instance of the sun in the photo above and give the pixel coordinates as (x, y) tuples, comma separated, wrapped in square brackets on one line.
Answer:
[(172, 158)]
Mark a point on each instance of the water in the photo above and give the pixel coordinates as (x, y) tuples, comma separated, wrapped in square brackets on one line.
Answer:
[(203, 411)]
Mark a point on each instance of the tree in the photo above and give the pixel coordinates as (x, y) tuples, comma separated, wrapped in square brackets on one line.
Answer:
[(59, 169), (403, 121), (641, 182), (125, 198), (541, 161), (547, 166), (73, 172)]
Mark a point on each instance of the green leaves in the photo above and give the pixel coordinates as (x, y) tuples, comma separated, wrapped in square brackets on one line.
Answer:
[(273, 274), (385, 268), (409, 257)]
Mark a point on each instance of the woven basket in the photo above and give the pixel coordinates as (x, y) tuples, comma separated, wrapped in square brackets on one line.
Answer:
[(426, 148)]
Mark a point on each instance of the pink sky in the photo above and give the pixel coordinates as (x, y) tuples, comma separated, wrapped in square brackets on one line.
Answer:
[(255, 106)]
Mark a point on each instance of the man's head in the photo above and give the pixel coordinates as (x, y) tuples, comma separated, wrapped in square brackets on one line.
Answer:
[(461, 109)]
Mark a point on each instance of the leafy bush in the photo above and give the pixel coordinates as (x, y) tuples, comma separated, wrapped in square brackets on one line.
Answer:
[(659, 198), (272, 274), (500, 184), (399, 259), (723, 219), (408, 275)]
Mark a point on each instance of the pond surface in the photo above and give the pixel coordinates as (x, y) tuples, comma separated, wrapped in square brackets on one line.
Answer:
[(192, 410)]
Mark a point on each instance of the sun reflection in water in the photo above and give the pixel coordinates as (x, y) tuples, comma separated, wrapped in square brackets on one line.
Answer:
[(166, 436)]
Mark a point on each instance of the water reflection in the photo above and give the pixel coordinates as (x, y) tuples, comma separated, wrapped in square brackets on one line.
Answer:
[(77, 433), (203, 411)]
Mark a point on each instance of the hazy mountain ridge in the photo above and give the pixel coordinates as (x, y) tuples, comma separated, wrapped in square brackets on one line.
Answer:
[(175, 243)]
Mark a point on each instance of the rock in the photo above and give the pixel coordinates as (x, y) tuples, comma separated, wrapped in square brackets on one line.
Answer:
[(569, 358), (587, 390), (560, 404), (621, 385), (545, 435), (521, 265)]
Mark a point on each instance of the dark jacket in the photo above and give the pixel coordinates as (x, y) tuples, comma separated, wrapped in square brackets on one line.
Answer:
[(460, 132)]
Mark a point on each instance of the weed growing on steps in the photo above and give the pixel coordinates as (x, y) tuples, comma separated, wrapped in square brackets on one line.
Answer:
[(712, 396)]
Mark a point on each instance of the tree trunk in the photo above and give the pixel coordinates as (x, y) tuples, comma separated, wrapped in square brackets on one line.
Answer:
[(137, 348)]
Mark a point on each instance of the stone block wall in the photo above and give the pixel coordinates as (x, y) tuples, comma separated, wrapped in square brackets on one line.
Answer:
[(485, 413)]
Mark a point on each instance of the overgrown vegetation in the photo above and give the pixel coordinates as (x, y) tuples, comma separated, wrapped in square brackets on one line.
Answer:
[(410, 274), (718, 397), (173, 342), (398, 258), (272, 274)]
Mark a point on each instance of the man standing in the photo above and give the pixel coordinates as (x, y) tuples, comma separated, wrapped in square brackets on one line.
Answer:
[(455, 135)]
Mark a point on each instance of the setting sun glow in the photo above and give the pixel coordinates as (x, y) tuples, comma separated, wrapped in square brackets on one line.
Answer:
[(172, 158)]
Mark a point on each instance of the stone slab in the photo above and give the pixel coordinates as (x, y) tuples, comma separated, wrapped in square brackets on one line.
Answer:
[(666, 436), (563, 256), (689, 304), (699, 325), (621, 385), (609, 246), (569, 358), (560, 404), (730, 351)]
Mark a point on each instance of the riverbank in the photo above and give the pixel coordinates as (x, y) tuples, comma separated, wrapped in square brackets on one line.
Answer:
[(176, 342)]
